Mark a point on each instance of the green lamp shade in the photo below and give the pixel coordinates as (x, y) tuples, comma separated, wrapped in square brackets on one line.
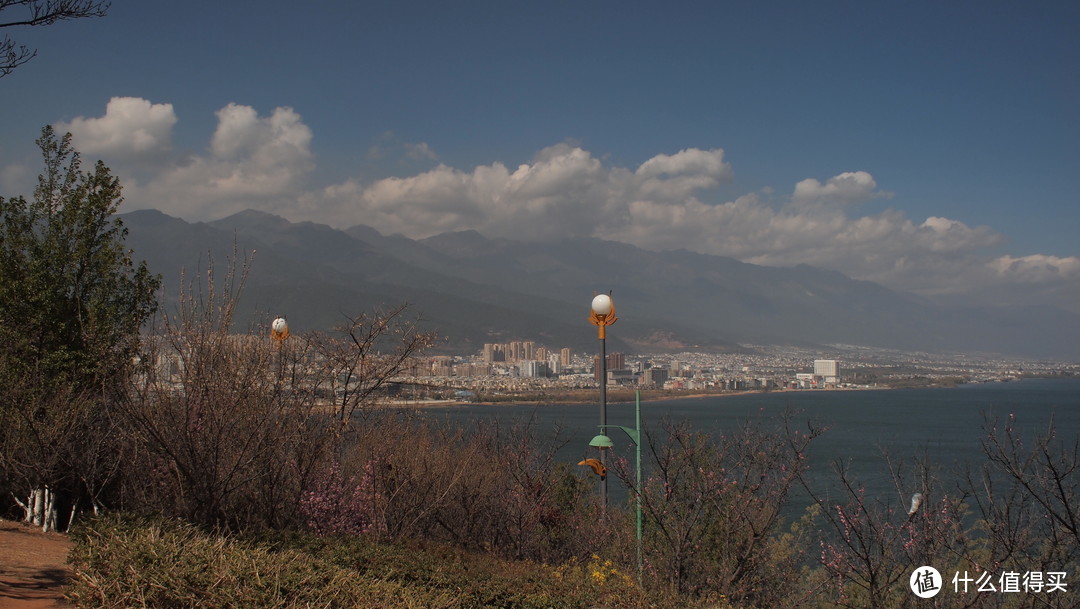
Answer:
[(601, 441)]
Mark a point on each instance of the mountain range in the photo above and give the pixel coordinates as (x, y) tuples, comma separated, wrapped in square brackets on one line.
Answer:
[(473, 290)]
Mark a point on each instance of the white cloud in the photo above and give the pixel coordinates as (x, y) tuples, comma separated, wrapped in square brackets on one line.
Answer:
[(1036, 268), (845, 189), (253, 162), (945, 235), (263, 162), (566, 191), (131, 128), (420, 152), (14, 179), (563, 191), (690, 161)]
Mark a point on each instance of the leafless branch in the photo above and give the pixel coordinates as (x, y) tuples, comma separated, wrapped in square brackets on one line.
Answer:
[(40, 13)]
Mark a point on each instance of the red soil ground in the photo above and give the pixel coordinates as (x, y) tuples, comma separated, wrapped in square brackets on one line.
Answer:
[(32, 567)]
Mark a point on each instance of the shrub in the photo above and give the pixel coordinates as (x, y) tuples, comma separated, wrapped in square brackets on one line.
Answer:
[(123, 561)]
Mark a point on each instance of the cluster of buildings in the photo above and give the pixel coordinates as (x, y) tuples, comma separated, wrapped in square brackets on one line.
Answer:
[(521, 359), (531, 360), (523, 366)]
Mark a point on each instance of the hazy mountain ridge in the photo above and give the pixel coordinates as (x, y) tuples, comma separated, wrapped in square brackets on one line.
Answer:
[(474, 290)]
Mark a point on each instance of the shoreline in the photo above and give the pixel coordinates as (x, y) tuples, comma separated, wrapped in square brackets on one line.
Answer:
[(620, 398)]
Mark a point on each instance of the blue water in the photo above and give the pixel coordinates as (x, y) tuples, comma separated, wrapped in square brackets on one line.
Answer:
[(944, 425)]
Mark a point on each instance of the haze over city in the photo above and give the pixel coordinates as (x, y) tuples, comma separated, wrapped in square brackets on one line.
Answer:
[(928, 147)]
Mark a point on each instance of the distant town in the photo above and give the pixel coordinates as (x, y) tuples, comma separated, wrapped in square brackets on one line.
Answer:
[(523, 370)]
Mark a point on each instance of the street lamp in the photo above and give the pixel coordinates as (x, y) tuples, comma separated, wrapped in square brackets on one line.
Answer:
[(603, 315), (279, 330)]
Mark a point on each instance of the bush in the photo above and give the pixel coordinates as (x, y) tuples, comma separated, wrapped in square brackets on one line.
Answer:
[(499, 490), (124, 561)]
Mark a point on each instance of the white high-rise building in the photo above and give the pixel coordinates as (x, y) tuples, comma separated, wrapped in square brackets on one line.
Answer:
[(827, 371), (533, 369)]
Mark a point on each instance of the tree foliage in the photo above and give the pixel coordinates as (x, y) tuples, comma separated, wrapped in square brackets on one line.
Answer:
[(31, 13), (71, 298), (71, 305)]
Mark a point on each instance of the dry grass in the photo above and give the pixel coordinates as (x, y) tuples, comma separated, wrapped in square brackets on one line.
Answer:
[(137, 563)]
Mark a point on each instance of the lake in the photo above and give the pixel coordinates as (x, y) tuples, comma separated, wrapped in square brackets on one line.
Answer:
[(946, 425)]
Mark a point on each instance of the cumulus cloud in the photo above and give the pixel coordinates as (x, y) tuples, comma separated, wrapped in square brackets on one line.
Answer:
[(661, 204), (669, 201), (690, 161), (1036, 268), (131, 128), (845, 189), (564, 191), (253, 161)]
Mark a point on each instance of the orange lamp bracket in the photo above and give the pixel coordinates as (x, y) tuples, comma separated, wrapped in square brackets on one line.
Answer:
[(603, 321)]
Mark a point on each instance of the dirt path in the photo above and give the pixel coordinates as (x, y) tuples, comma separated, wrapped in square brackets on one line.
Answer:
[(32, 569)]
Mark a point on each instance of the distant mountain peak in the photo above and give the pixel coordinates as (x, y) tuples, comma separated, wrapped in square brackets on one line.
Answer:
[(252, 218), (460, 243), (363, 232), (148, 217)]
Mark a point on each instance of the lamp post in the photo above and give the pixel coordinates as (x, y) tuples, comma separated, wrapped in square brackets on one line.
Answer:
[(603, 315), (603, 442)]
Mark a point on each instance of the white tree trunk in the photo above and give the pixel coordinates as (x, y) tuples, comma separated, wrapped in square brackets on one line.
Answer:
[(49, 520), (40, 509), (28, 507), (74, 511), (38, 498)]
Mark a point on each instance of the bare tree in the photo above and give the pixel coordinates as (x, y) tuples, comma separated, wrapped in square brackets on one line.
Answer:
[(872, 543), (39, 13), (1027, 497), (233, 428), (223, 425), (713, 510), (484, 488), (1013, 516), (365, 353)]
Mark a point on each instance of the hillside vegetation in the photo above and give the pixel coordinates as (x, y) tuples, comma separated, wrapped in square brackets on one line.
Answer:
[(133, 562)]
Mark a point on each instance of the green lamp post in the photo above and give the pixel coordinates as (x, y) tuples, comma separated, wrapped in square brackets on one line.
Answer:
[(603, 442)]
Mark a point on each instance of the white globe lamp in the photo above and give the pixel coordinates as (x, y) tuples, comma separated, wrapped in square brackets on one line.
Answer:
[(601, 305)]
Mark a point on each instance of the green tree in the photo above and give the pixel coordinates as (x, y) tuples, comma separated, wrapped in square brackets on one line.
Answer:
[(72, 302)]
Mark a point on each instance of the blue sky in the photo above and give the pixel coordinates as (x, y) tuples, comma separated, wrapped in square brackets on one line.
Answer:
[(929, 146)]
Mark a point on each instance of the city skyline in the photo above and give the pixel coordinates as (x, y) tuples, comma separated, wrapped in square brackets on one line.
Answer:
[(767, 368), (926, 147)]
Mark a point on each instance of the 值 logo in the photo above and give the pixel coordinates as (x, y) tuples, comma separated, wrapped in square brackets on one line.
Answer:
[(925, 582)]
